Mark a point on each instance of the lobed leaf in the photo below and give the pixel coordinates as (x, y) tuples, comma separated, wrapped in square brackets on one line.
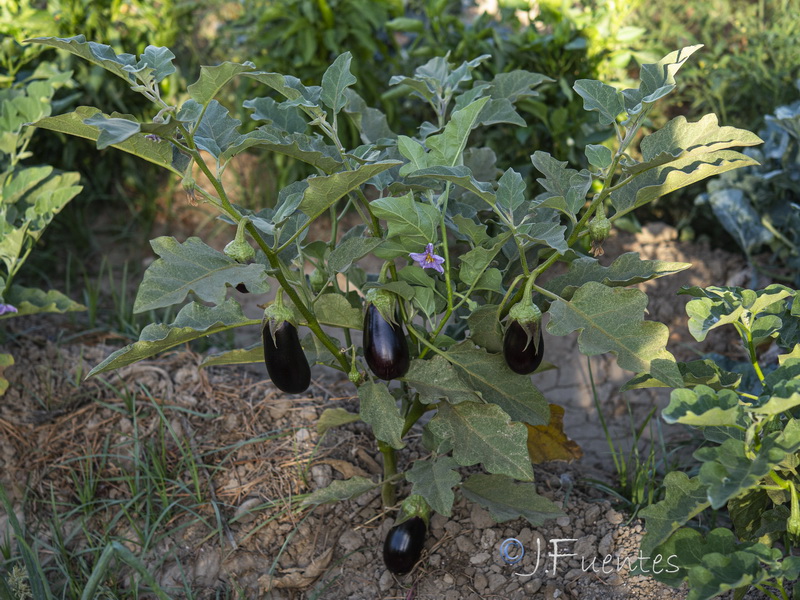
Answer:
[(32, 301), (549, 442), (612, 320), (489, 375), (434, 480), (193, 267), (213, 78), (483, 433), (685, 498), (437, 379), (193, 321), (508, 500), (379, 410), (336, 79)]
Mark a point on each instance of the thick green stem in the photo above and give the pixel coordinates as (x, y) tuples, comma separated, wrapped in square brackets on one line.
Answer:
[(389, 471)]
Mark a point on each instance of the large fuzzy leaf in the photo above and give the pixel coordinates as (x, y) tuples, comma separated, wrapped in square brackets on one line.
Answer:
[(627, 269), (31, 301), (437, 379), (612, 320), (508, 500), (193, 321), (483, 433), (489, 375), (379, 410), (434, 480), (193, 267)]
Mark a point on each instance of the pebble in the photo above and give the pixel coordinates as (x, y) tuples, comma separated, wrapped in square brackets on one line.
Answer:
[(605, 546), (351, 540), (590, 514), (496, 581), (302, 435), (480, 582), (533, 586), (386, 581), (480, 558), (614, 517), (465, 545), (322, 475), (563, 521), (480, 517), (585, 546), (448, 579)]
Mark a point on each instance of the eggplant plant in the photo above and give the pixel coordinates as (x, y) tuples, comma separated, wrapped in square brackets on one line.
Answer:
[(465, 248)]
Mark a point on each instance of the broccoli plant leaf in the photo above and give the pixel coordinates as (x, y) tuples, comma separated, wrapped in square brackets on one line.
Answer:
[(193, 321), (508, 500), (379, 410), (434, 480), (483, 433), (727, 471), (705, 407), (196, 267), (685, 498), (612, 320)]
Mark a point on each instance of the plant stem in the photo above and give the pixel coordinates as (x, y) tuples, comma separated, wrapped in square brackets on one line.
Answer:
[(389, 471)]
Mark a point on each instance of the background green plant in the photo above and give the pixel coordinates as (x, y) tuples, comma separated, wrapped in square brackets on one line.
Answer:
[(760, 206), (749, 458)]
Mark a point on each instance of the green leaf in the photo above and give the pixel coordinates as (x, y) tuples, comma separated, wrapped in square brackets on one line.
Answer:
[(217, 130), (489, 375), (435, 379), (485, 329), (193, 267), (379, 410), (599, 156), (508, 500), (446, 149), (414, 222), (784, 386), (663, 179), (566, 188), (311, 150), (339, 490), (697, 372), (685, 498), (727, 471), (612, 320), (121, 65), (370, 122), (721, 573), (460, 175), (324, 191), (657, 80), (350, 251), (604, 99), (32, 301), (510, 193), (415, 153), (239, 356), (483, 433), (680, 138), (475, 262), (159, 59), (336, 311), (213, 79), (705, 407), (278, 116), (159, 153), (112, 131), (336, 79), (193, 321), (434, 480), (334, 417), (6, 360)]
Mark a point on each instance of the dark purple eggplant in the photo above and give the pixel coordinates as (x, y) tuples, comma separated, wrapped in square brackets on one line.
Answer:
[(286, 363), (522, 355), (403, 545), (385, 346)]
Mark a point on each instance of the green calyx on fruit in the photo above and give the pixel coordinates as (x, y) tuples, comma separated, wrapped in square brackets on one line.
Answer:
[(523, 345), (599, 228), (525, 313), (239, 249), (414, 506), (385, 302), (277, 313)]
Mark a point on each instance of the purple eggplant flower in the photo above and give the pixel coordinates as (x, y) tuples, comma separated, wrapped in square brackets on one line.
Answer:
[(427, 259), (7, 308)]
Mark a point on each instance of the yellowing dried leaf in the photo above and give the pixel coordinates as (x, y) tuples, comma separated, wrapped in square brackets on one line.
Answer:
[(549, 442)]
